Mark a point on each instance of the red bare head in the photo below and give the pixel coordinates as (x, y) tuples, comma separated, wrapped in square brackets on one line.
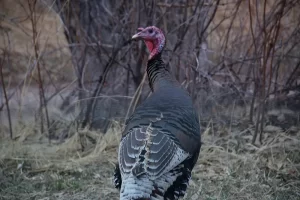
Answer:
[(154, 39)]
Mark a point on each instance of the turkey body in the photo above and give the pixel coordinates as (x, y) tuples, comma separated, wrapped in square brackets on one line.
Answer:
[(160, 143)]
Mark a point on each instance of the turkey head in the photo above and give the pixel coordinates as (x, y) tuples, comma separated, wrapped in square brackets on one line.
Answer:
[(154, 39)]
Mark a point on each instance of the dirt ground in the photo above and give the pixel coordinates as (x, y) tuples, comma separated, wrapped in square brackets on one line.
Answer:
[(229, 167)]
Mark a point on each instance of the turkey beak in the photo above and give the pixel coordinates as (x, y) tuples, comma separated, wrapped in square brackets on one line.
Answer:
[(136, 36)]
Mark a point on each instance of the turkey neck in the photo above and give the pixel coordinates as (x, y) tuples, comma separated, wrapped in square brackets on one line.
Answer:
[(158, 74)]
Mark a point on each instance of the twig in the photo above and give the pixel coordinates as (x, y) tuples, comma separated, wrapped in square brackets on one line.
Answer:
[(136, 97), (35, 36), (5, 96)]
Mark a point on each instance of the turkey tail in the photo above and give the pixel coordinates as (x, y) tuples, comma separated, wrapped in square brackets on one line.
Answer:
[(134, 189)]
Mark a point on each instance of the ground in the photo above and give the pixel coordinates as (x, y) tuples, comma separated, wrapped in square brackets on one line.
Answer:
[(229, 166)]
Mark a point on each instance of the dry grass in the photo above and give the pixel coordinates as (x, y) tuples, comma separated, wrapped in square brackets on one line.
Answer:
[(229, 167)]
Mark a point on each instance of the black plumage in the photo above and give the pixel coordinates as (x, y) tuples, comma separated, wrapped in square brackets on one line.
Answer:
[(161, 141)]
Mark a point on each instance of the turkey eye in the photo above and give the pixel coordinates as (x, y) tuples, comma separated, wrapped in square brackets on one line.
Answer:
[(150, 31)]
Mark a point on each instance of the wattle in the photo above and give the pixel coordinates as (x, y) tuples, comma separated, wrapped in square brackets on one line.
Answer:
[(149, 45)]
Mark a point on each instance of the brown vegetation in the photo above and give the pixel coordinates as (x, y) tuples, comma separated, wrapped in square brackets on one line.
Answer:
[(70, 77)]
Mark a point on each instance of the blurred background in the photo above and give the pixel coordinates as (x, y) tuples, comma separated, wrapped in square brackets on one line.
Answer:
[(70, 75)]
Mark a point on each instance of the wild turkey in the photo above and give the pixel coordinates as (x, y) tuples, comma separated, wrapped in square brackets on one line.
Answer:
[(161, 141)]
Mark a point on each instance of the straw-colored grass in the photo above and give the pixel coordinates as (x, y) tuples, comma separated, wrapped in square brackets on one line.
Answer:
[(81, 167)]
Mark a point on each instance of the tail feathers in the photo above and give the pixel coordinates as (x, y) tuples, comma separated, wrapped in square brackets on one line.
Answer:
[(138, 189), (170, 186)]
